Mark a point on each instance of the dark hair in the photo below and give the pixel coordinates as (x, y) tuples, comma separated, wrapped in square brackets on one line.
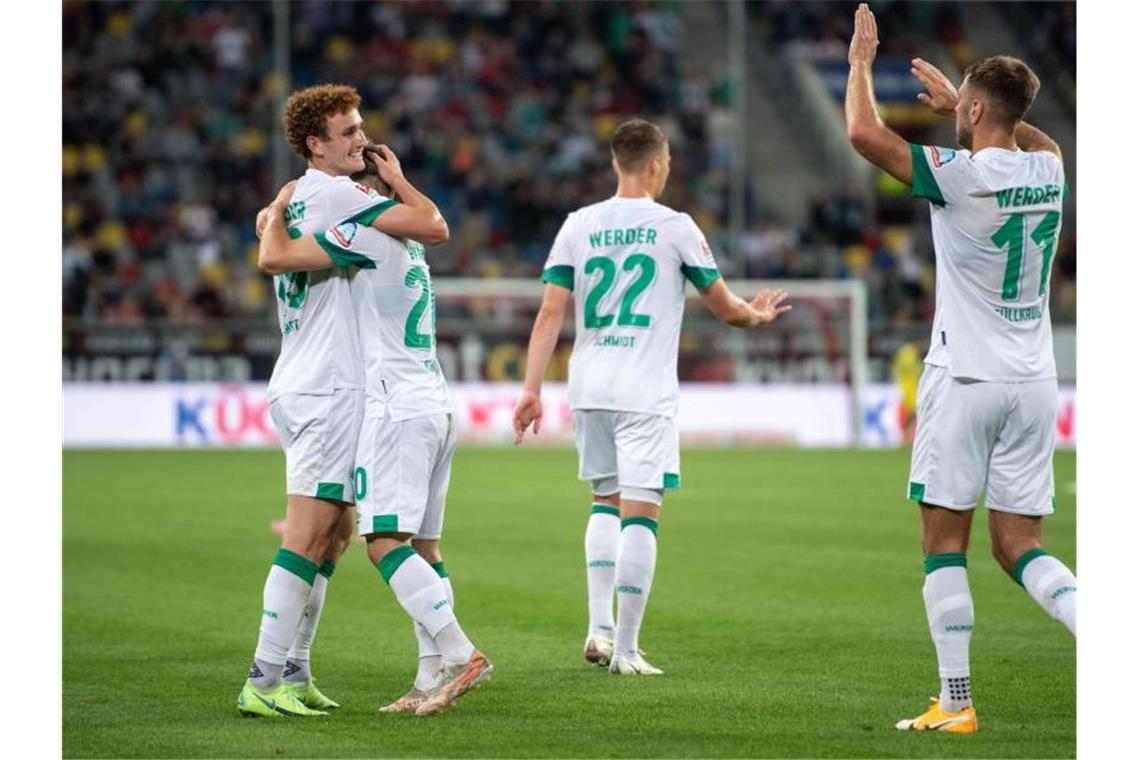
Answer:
[(1009, 84), (369, 176), (307, 112), (634, 142)]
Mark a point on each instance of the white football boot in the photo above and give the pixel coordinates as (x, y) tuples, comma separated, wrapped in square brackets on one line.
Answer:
[(633, 666)]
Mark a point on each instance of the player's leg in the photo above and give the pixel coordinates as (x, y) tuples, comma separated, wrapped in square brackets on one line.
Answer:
[(648, 459), (597, 463), (456, 676), (406, 453), (956, 423), (1020, 492), (338, 459), (310, 523), (298, 674), (284, 596)]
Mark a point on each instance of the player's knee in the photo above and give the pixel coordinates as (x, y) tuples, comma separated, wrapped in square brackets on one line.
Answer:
[(428, 548), (380, 544)]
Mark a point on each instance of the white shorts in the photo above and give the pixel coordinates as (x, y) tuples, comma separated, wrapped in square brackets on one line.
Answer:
[(639, 450), (319, 434), (976, 435), (402, 474)]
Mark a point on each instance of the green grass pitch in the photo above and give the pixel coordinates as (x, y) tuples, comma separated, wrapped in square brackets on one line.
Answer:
[(786, 611)]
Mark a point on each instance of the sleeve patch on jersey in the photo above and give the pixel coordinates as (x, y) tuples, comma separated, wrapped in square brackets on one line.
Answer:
[(699, 276), (368, 215), (341, 257), (706, 252), (560, 275), (923, 184), (941, 156), (344, 234)]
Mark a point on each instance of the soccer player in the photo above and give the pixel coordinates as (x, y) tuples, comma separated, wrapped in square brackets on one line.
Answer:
[(625, 260), (316, 391), (406, 443), (987, 401)]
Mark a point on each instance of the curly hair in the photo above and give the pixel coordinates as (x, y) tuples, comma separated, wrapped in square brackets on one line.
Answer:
[(307, 112)]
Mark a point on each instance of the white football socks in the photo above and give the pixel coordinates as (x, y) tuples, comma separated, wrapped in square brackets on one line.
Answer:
[(427, 675), (636, 561), (950, 613), (603, 534), (286, 593), (1051, 584), (297, 669), (422, 594)]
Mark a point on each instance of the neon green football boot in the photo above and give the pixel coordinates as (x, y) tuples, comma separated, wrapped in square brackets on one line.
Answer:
[(276, 703), (310, 696)]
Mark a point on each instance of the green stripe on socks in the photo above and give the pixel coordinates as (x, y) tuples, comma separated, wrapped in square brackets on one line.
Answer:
[(648, 522), (326, 569), (932, 562), (604, 509), (1023, 560), (303, 568), (440, 570), (390, 562)]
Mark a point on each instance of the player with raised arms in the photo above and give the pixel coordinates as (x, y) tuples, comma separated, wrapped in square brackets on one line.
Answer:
[(316, 390), (987, 402), (625, 262)]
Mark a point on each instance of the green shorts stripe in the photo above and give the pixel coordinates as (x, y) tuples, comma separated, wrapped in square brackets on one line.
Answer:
[(334, 491)]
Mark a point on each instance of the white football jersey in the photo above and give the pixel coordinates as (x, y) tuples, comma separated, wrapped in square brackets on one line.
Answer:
[(319, 347), (395, 317), (995, 218), (627, 259)]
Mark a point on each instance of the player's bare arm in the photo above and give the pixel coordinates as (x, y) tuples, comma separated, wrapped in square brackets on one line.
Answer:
[(543, 339), (417, 217), (1030, 138), (735, 311), (278, 253), (865, 128)]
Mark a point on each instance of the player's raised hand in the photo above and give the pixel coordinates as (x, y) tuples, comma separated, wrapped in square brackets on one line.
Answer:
[(528, 410), (386, 163), (942, 95), (865, 38), (769, 304)]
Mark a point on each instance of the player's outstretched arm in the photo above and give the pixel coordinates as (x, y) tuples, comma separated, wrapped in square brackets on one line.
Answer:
[(416, 217), (735, 311), (868, 134), (278, 253), (543, 339)]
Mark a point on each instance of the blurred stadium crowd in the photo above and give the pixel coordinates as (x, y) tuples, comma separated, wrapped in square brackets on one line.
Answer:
[(499, 111)]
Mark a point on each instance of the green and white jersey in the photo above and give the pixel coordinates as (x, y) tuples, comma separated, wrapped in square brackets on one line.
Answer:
[(319, 347), (995, 218), (627, 259), (395, 317)]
